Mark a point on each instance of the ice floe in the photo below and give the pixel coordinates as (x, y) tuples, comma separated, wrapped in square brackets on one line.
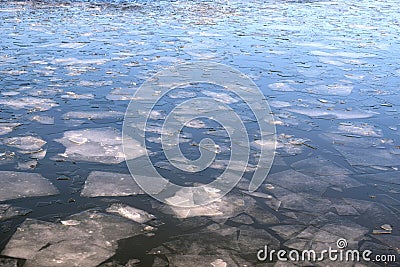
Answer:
[(102, 145), (22, 184), (32, 103), (110, 184), (8, 127), (90, 241), (131, 213)]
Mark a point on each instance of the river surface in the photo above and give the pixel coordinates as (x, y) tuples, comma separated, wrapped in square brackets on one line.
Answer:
[(328, 69)]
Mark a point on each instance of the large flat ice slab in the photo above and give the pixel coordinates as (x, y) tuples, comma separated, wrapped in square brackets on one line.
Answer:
[(87, 240), (22, 184), (110, 184), (103, 145)]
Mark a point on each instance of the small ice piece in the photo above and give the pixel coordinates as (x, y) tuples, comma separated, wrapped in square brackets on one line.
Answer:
[(282, 86), (387, 227), (221, 209), (363, 129), (38, 104), (93, 115), (72, 95), (380, 232), (102, 145), (181, 94), (7, 127), (70, 222), (319, 166), (196, 124), (121, 94), (334, 89), (22, 184), (47, 120), (110, 184), (25, 143), (131, 213), (220, 97), (7, 212), (338, 114), (279, 104)]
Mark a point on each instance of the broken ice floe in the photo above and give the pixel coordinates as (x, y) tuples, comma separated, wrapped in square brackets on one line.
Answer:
[(73, 95), (110, 184), (93, 115), (7, 127), (363, 129), (8, 212), (29, 145), (220, 97), (131, 213), (48, 120), (88, 242), (34, 103), (334, 89), (102, 145), (121, 94), (331, 113), (23, 184), (25, 143)]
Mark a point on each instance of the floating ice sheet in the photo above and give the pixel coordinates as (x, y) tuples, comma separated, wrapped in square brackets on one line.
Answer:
[(25, 143), (102, 145), (23, 184), (110, 184), (88, 242), (368, 157), (37, 104), (48, 120), (338, 114), (93, 115), (7, 127), (131, 213)]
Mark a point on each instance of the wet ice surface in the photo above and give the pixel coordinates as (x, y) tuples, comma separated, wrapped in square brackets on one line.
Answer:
[(23, 184), (329, 70)]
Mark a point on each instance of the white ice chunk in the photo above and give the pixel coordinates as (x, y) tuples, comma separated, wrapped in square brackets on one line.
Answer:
[(49, 120), (92, 115), (110, 184), (102, 145), (6, 127), (88, 242), (339, 114), (220, 97), (131, 213), (25, 143), (38, 104)]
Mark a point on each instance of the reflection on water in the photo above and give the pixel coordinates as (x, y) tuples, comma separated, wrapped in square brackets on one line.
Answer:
[(329, 70)]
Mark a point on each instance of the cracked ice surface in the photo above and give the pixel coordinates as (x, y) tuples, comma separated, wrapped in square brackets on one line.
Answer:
[(88, 242)]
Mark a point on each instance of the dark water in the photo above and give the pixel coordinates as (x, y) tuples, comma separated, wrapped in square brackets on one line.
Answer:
[(329, 70)]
